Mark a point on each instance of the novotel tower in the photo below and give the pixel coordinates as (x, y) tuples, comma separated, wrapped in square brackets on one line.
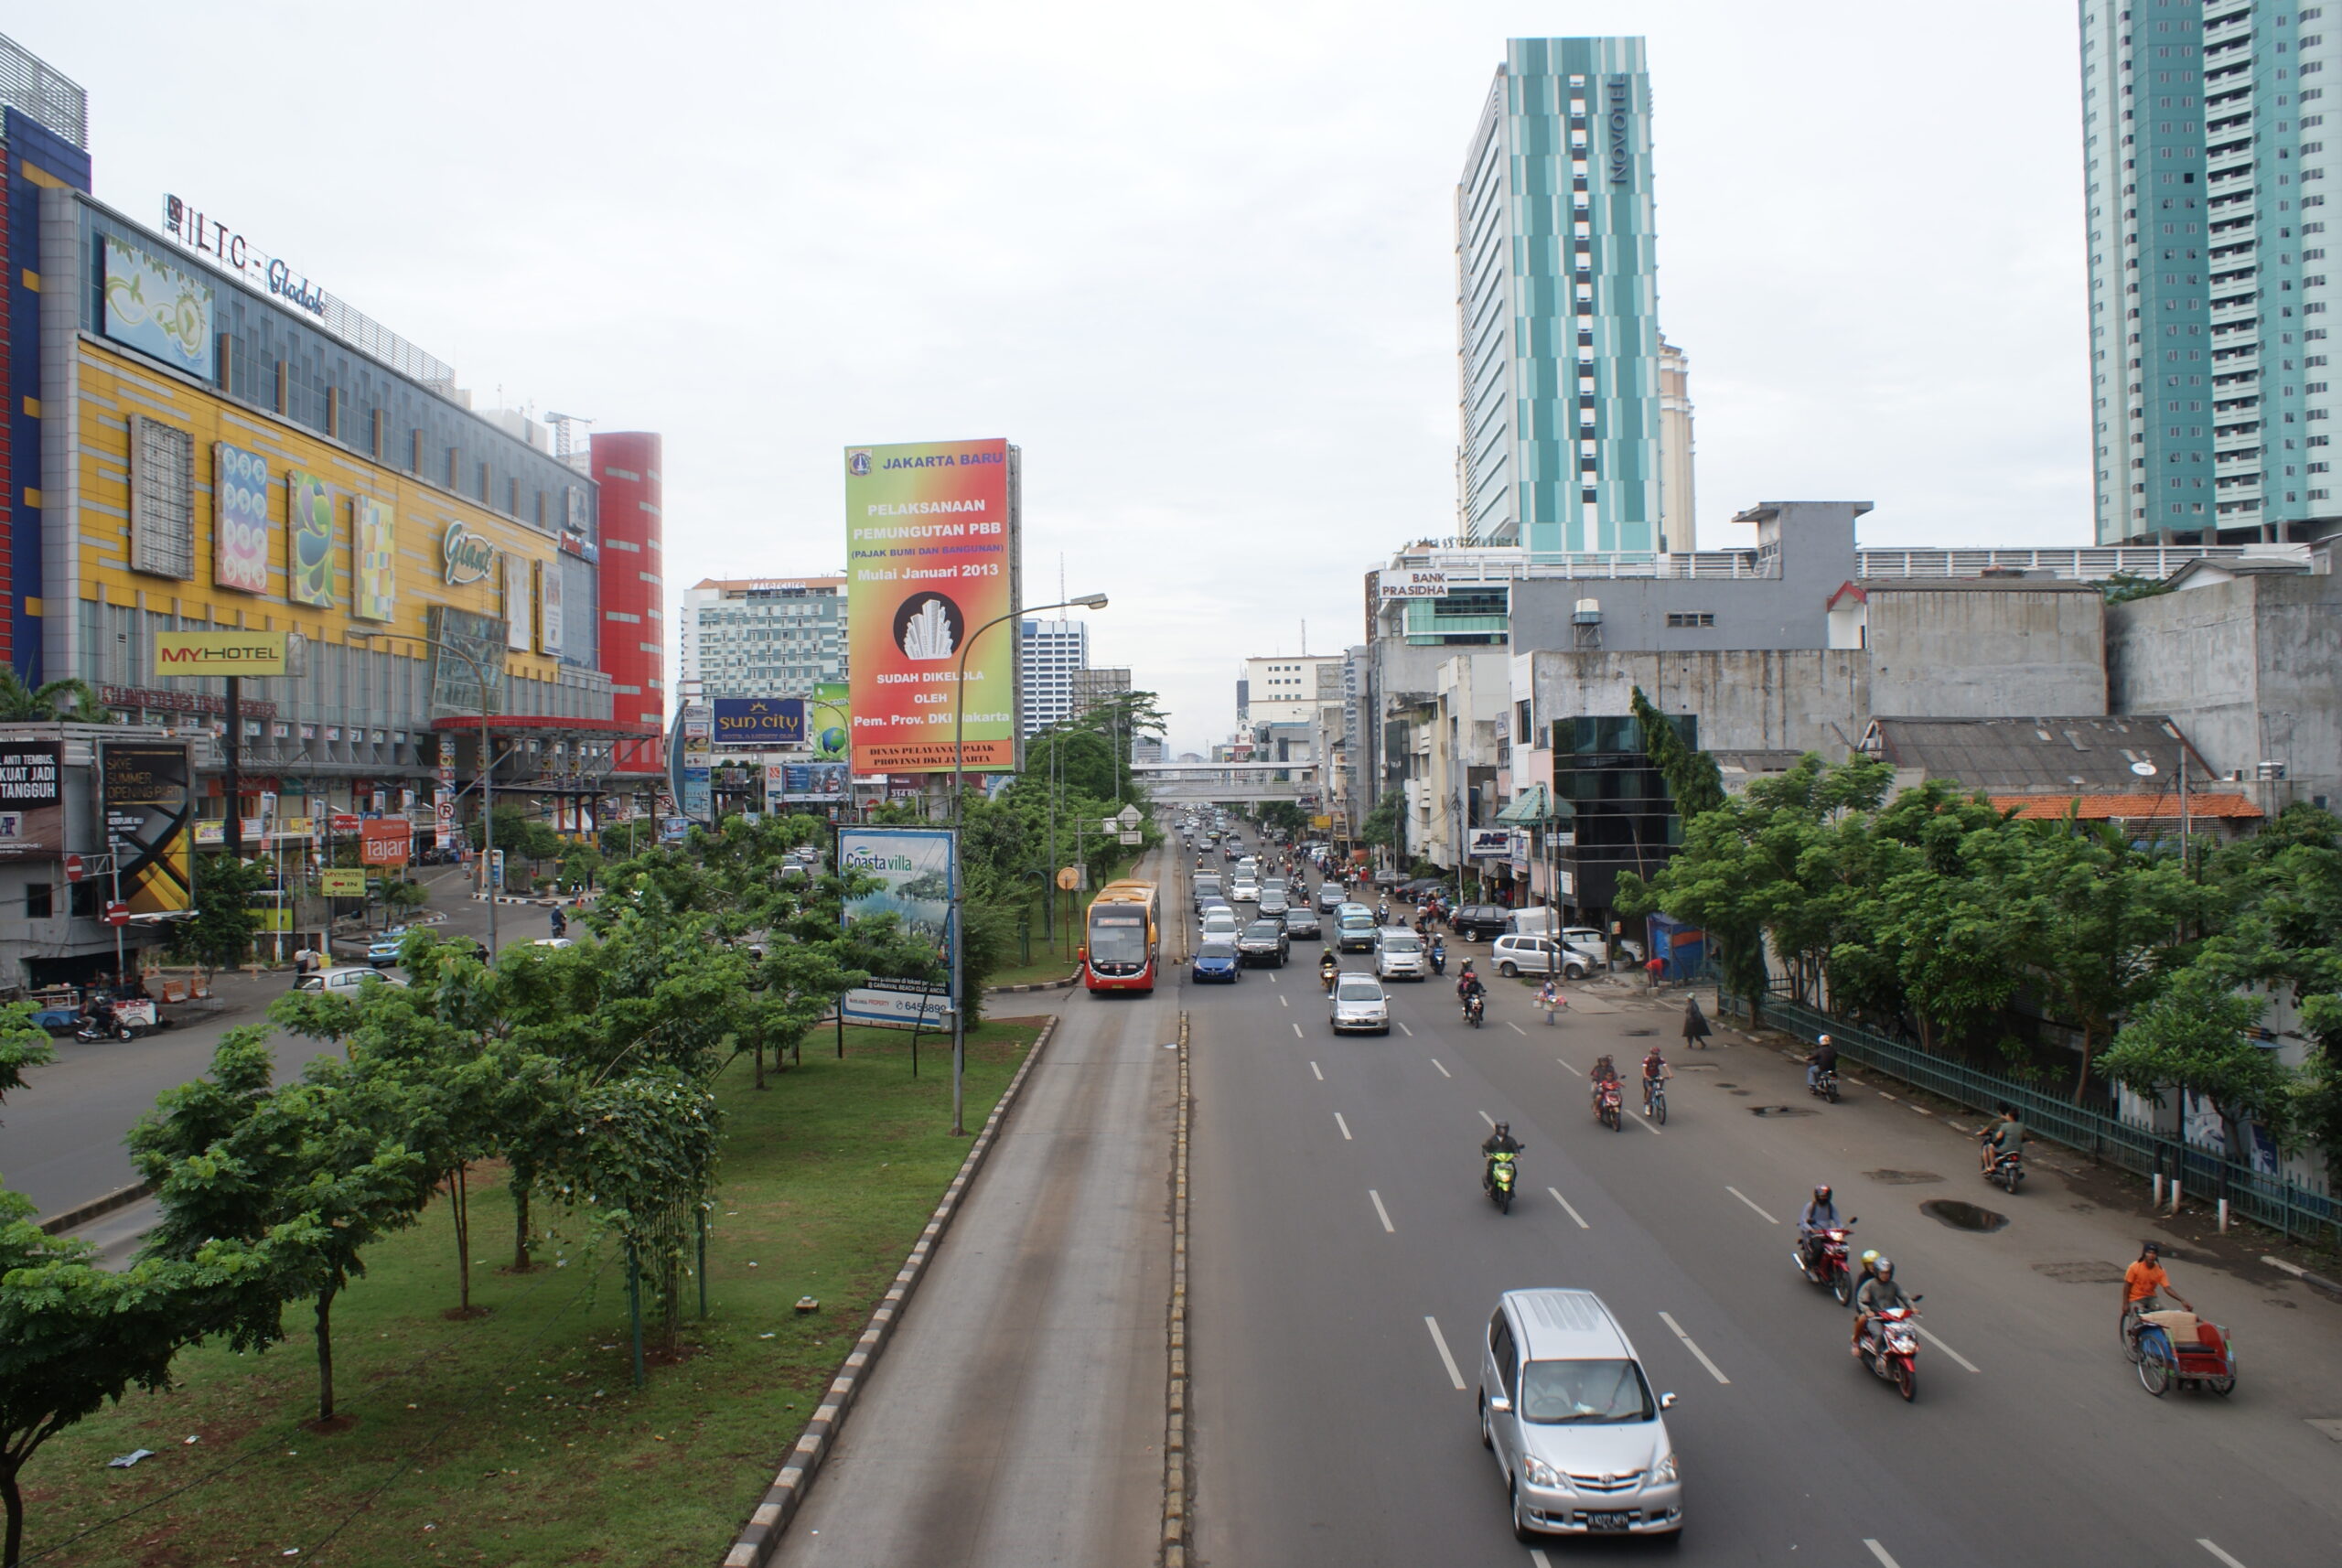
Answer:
[(1557, 307)]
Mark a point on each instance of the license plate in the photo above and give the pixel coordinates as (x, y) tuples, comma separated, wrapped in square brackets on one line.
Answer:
[(1610, 1522)]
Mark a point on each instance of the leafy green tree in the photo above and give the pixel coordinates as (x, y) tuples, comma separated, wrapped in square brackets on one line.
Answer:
[(20, 703), (220, 934), (23, 1044), (1694, 781), (2194, 1037), (2124, 587)]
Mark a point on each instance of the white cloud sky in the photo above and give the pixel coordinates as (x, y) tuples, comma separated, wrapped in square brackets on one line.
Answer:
[(1198, 264)]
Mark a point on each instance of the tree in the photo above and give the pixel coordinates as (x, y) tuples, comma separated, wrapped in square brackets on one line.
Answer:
[(1692, 777), (2194, 1036), (20, 703), (220, 934), (2123, 587), (23, 1044)]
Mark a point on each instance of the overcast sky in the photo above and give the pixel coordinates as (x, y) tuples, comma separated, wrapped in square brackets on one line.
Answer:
[(1195, 261)]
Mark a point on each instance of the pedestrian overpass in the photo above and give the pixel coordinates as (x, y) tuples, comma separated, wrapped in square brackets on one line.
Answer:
[(1198, 783)]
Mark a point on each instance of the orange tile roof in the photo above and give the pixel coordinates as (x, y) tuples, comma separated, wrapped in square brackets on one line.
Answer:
[(2126, 807)]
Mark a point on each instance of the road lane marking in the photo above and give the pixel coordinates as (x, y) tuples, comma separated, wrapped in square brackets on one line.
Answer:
[(1385, 1215), (1714, 1371), (1880, 1553), (1573, 1070), (1573, 1213), (1516, 1028), (1343, 1125), (1284, 1001), (1644, 1122), (1439, 1341), (1488, 1119), (1745, 1199), (2216, 1552), (1405, 1030), (1296, 1031), (1272, 980), (1443, 1072), (1313, 1068), (1539, 1560), (1944, 1348)]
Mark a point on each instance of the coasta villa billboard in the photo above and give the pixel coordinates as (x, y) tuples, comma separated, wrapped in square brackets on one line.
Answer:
[(931, 557)]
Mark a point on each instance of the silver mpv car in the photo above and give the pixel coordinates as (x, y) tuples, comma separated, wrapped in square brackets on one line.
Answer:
[(1575, 1426)]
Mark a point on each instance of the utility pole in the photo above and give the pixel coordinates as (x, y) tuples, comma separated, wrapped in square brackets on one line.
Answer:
[(233, 829)]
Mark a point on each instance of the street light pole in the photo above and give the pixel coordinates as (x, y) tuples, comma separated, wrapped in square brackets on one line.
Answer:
[(959, 896), (486, 767)]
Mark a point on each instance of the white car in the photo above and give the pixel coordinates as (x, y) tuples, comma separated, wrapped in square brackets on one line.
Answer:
[(1358, 1005), (1245, 892), (1593, 945), (345, 981), (1398, 954), (1513, 955), (1220, 925)]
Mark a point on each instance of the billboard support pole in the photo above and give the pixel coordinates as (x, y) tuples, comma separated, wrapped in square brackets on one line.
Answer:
[(234, 826)]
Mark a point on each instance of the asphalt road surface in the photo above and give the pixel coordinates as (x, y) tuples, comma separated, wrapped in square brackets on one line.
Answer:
[(1342, 1253)]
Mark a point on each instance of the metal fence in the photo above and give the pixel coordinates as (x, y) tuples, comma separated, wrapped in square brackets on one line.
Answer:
[(2282, 1205)]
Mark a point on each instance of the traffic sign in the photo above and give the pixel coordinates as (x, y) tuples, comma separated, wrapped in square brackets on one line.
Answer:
[(72, 868), (1128, 816), (117, 913), (1132, 838), (1070, 877)]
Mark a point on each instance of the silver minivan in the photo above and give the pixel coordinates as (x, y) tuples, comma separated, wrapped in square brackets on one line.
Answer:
[(1576, 1431)]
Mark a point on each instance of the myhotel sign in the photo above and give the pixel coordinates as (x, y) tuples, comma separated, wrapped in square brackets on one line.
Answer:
[(220, 653)]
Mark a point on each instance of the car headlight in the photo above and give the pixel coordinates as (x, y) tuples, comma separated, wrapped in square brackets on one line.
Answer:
[(1537, 1473), (1664, 1473)]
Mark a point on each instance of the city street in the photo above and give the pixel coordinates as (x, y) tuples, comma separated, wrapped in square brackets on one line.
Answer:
[(1343, 1255)]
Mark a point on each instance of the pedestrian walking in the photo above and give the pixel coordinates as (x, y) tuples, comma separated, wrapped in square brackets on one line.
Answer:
[(1695, 1025), (1550, 998)]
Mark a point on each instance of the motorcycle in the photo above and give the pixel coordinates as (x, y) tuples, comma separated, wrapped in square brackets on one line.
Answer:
[(2007, 1171), (1475, 1007), (1827, 1265), (1891, 1349), (1327, 974), (1500, 1180), (1605, 1106), (1438, 957), (1825, 1084), (120, 1021)]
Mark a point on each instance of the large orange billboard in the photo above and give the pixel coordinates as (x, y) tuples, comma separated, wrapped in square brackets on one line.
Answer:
[(930, 562)]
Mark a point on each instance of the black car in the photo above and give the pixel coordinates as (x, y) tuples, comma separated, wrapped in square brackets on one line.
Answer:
[(1302, 921), (1479, 922), (1263, 942)]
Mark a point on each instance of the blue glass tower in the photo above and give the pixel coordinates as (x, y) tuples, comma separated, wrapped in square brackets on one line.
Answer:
[(1557, 296)]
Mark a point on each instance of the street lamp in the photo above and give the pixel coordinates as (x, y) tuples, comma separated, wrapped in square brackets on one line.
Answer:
[(486, 764), (959, 762)]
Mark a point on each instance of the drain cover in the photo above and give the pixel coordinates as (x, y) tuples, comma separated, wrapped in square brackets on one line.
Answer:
[(1779, 1111), (1902, 1178), (2084, 1272), (1961, 1216)]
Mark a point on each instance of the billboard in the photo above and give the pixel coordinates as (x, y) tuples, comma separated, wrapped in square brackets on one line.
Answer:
[(455, 680), (385, 840), (157, 309), (519, 625), (829, 719), (149, 822), (931, 542), (32, 802), (308, 539), (219, 653), (239, 519), (806, 781), (913, 867), (342, 882), (1488, 844), (549, 618), (375, 559), (760, 721)]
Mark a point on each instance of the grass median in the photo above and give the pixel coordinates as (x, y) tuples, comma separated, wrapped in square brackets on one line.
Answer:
[(516, 1437)]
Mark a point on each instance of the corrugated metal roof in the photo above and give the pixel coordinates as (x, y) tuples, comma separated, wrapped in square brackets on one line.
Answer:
[(2092, 754)]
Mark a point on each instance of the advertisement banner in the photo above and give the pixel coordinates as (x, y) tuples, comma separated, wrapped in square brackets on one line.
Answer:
[(695, 777), (308, 539), (385, 840), (443, 819), (913, 868), (549, 608), (239, 519), (1487, 844), (342, 882), (807, 781), (759, 721), (520, 626), (466, 647), (1411, 585), (149, 817), (157, 309), (465, 556), (829, 719), (219, 653), (932, 559), (375, 559), (32, 802)]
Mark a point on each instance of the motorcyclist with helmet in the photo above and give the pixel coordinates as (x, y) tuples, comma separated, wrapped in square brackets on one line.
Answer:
[(1327, 966), (1498, 1142), (1823, 1059), (1879, 1293), (1469, 991), (1820, 1214)]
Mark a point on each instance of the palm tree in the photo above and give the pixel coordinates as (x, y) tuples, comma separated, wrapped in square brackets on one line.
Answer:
[(20, 703)]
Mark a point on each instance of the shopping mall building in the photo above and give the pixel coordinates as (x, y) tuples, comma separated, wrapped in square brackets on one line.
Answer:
[(199, 438)]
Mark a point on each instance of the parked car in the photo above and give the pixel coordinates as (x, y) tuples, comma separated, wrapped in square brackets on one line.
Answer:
[(1303, 922), (1595, 945), (1265, 942), (1576, 1431), (1358, 1005), (1516, 955), (1478, 922), (345, 981), (566, 942), (1215, 961), (1398, 954)]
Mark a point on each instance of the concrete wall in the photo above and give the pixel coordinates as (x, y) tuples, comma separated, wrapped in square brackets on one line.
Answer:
[(1986, 654), (2250, 669), (1752, 700)]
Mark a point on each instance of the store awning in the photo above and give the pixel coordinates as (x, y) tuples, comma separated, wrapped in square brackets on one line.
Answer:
[(1534, 807)]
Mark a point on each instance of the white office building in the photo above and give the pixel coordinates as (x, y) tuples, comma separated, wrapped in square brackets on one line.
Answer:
[(763, 637), (1047, 654)]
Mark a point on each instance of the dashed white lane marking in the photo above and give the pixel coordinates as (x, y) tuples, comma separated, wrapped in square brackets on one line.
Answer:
[(1384, 1215), (1343, 1125), (1443, 1072), (1573, 1213), (1405, 1030), (1284, 1001), (1313, 1068), (1516, 1028), (1714, 1371), (1573, 1070), (1644, 1122), (1272, 980), (1488, 1119), (1296, 1031), (2216, 1552), (1944, 1348), (1880, 1553), (1539, 1560), (1746, 1199), (1439, 1342), (1884, 1095)]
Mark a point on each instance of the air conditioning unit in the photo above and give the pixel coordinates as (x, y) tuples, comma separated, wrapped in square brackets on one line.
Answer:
[(2234, 776)]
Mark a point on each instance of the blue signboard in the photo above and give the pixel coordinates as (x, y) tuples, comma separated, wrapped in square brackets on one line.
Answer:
[(775, 722)]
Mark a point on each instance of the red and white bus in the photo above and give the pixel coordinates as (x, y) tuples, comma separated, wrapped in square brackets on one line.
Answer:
[(1123, 940)]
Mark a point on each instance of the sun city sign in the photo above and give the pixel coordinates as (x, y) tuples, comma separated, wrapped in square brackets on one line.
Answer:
[(200, 232), (469, 557)]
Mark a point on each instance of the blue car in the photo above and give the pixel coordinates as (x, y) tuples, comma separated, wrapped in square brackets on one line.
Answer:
[(1215, 961), (384, 950)]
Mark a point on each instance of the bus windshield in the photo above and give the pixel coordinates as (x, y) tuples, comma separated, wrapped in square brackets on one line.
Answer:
[(1117, 941)]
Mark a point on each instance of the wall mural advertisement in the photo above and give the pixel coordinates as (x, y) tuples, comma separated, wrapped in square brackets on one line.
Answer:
[(308, 539), (519, 624), (549, 608), (32, 802), (149, 819), (913, 868), (931, 557), (239, 519), (375, 559), (479, 639), (157, 309)]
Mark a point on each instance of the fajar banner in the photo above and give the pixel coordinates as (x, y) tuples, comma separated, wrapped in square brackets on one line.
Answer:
[(385, 840), (932, 559)]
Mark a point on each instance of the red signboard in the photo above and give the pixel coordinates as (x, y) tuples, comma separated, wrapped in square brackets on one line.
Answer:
[(72, 868), (343, 823), (385, 840), (117, 913)]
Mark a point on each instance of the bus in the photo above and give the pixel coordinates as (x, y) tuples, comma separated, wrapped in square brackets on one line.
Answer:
[(1123, 937)]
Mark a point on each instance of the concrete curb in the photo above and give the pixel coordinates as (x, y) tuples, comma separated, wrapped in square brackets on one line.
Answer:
[(2318, 1282), (81, 1214), (1174, 1432), (761, 1538), (1037, 985)]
